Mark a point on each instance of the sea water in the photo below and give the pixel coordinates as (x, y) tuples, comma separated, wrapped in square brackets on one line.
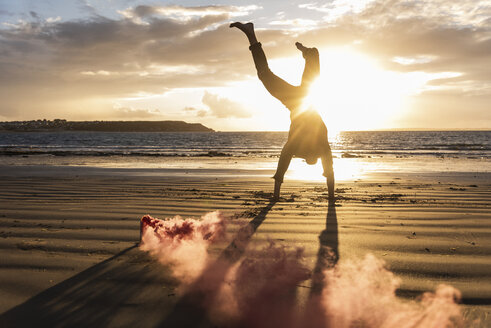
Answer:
[(460, 144), (356, 154)]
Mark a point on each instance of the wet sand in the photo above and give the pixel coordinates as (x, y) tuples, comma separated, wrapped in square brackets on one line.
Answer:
[(68, 236)]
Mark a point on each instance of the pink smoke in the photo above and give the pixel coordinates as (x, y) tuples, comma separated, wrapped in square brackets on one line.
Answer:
[(257, 292), (182, 243), (362, 294), (259, 288)]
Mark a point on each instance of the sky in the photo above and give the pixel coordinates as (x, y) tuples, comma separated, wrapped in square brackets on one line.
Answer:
[(414, 64)]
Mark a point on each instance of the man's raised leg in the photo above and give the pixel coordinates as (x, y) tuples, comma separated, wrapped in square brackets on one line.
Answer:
[(277, 87)]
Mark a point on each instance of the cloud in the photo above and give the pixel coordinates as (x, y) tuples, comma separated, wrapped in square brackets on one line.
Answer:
[(104, 58), (338, 8), (223, 107), (295, 23), (53, 65), (85, 6), (102, 44), (431, 37), (434, 37), (5, 13), (202, 113), (126, 113), (197, 111), (34, 15), (144, 11)]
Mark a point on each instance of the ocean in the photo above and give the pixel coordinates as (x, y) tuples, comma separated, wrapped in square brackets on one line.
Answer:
[(367, 144)]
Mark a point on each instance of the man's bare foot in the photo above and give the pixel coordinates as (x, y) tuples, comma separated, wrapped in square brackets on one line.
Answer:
[(306, 51), (300, 46), (247, 28)]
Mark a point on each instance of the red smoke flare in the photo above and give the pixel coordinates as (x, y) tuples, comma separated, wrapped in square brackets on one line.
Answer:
[(259, 290)]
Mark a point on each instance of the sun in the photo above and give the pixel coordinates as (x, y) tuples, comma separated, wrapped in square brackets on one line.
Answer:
[(353, 91)]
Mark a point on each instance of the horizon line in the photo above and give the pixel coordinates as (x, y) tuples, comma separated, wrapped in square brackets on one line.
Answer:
[(378, 130)]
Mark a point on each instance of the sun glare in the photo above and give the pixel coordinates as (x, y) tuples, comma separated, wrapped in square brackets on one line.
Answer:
[(353, 92)]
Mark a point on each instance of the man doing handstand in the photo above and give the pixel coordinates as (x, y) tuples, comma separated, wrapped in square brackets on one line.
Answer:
[(307, 138)]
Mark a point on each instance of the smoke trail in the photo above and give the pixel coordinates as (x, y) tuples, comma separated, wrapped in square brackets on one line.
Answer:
[(182, 243), (259, 289), (362, 294)]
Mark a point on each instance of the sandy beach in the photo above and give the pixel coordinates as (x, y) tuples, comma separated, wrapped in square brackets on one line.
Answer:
[(69, 236)]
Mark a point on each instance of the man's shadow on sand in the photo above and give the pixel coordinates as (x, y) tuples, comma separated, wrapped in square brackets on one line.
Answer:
[(328, 253), (116, 292), (131, 289)]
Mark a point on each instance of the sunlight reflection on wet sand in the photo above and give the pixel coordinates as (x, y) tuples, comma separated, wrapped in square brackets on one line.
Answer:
[(344, 169)]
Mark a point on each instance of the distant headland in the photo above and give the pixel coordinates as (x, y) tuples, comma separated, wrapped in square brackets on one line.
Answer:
[(103, 126)]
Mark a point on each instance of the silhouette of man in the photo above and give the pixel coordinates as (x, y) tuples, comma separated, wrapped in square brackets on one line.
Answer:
[(307, 138)]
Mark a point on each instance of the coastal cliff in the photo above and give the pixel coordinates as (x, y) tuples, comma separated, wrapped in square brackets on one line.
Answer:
[(109, 126)]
